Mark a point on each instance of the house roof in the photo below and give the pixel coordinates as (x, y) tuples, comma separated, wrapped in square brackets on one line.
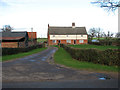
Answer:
[(66, 30), (12, 35)]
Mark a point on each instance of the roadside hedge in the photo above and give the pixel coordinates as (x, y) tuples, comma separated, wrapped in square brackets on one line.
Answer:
[(10, 51), (108, 57)]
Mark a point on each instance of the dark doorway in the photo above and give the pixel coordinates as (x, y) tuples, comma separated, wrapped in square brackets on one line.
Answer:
[(58, 41), (74, 41)]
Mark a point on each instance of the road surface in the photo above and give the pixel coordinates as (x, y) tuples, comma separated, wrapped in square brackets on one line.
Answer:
[(40, 71)]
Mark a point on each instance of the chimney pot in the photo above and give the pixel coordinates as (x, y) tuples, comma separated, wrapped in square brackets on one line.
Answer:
[(73, 25)]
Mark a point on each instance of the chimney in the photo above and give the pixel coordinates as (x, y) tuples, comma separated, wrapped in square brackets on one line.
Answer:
[(73, 25), (48, 25)]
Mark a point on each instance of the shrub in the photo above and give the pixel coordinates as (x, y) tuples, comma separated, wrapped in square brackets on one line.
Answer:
[(105, 57)]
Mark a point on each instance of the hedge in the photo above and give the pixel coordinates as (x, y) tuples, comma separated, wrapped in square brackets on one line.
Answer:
[(108, 57), (10, 51)]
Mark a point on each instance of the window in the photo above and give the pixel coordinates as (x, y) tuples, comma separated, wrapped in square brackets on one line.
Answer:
[(68, 41), (54, 41), (66, 35), (81, 41), (53, 35), (81, 35)]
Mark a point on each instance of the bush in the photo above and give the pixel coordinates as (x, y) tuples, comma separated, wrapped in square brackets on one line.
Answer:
[(104, 57), (10, 51)]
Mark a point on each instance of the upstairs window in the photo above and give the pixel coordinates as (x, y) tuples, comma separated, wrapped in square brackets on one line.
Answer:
[(53, 35), (81, 35), (66, 35)]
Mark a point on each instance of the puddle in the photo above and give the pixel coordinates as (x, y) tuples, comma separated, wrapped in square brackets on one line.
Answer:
[(32, 60), (43, 59), (104, 78), (53, 51)]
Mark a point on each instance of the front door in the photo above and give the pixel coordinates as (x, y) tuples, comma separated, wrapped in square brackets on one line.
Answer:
[(74, 41), (59, 41)]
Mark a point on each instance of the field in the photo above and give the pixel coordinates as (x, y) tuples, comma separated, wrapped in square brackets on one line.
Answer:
[(95, 46), (64, 58), (41, 39), (19, 55), (99, 38)]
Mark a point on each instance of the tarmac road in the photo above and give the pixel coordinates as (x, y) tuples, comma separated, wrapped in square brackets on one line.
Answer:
[(40, 71)]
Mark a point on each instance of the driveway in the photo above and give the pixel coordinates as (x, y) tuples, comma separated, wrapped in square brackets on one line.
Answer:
[(39, 70)]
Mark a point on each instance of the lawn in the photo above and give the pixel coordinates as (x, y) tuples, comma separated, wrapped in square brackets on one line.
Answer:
[(41, 39), (64, 58), (19, 55), (94, 46)]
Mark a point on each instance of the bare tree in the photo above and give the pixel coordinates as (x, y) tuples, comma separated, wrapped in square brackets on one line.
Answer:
[(99, 32), (95, 32), (110, 5), (7, 28), (92, 33), (109, 35)]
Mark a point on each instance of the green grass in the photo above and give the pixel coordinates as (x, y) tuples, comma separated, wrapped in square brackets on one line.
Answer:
[(64, 58), (19, 55), (99, 38), (94, 46), (41, 39)]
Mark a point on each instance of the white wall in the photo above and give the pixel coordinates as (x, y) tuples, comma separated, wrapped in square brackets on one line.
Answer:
[(64, 37)]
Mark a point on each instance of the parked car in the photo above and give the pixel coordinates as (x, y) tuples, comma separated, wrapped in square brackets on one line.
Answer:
[(94, 40)]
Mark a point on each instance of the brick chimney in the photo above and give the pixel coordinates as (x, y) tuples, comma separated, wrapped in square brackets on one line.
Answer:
[(73, 25), (48, 26)]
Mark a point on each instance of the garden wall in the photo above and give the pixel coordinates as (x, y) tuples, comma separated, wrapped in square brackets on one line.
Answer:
[(105, 57)]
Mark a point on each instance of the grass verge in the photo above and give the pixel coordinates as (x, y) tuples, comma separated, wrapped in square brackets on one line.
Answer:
[(64, 58), (19, 55)]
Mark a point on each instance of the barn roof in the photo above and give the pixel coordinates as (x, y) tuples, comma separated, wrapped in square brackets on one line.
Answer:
[(67, 30), (13, 35)]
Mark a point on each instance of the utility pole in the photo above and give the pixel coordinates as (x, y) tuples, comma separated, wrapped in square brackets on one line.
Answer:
[(32, 35)]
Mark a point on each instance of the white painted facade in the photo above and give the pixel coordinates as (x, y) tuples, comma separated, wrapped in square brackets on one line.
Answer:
[(67, 37)]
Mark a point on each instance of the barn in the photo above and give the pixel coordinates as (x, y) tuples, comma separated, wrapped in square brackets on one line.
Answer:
[(14, 39), (67, 35)]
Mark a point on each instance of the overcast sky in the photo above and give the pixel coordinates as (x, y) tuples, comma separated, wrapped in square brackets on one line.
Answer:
[(39, 13)]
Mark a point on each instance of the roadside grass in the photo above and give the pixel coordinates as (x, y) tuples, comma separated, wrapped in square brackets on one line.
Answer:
[(64, 58), (41, 39), (19, 55), (87, 46)]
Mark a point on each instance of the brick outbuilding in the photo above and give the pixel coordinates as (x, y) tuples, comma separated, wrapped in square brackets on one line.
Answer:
[(14, 39)]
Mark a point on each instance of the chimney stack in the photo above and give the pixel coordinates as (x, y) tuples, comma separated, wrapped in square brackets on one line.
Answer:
[(73, 25), (48, 25)]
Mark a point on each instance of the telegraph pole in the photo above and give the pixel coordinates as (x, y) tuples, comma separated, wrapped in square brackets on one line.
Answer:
[(32, 35)]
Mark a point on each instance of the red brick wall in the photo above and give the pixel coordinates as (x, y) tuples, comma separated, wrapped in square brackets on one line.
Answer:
[(50, 42), (9, 44), (32, 35)]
